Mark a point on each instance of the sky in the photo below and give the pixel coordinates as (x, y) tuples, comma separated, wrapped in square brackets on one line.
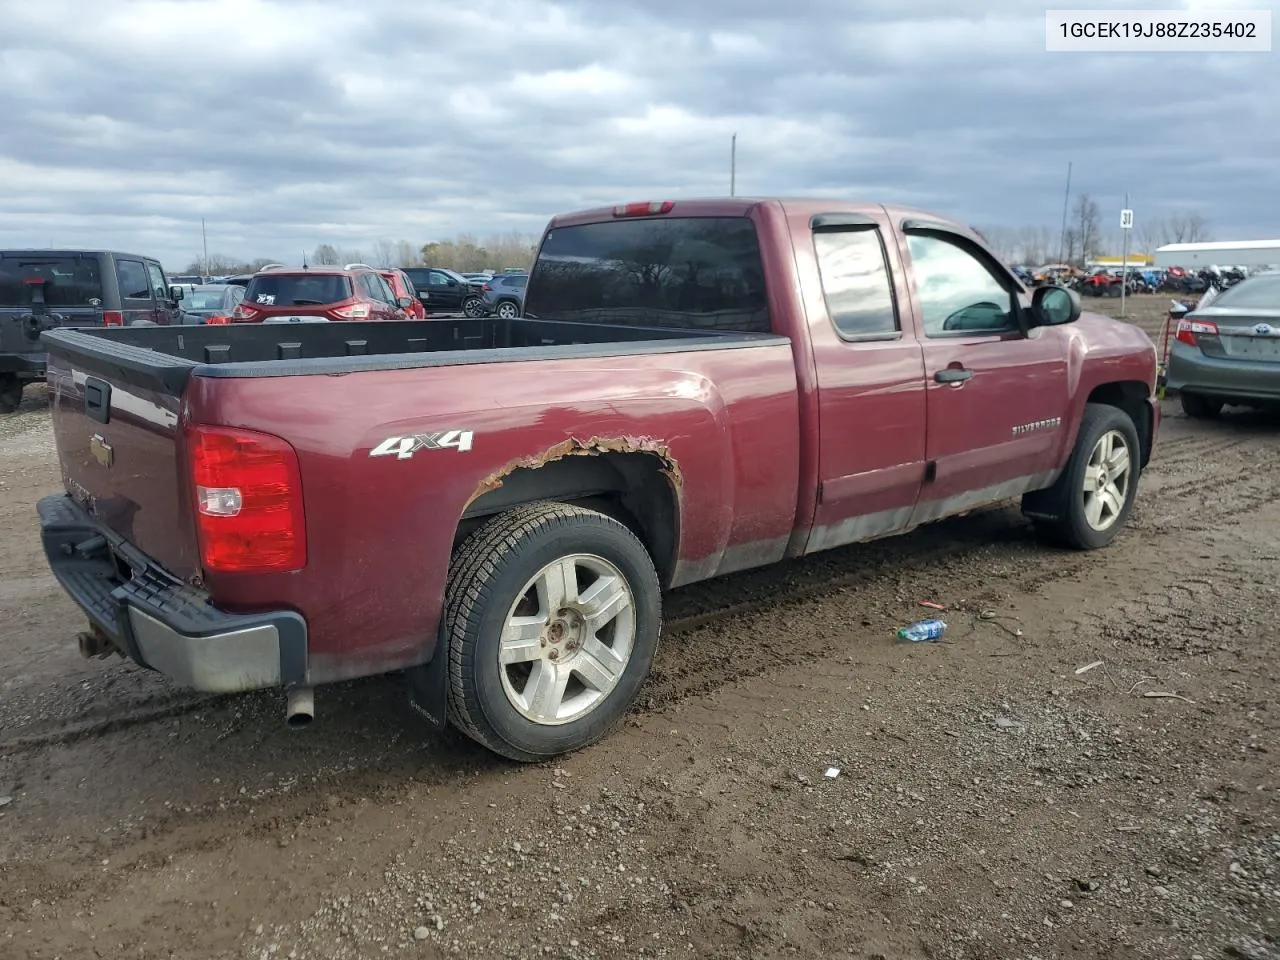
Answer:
[(289, 124)]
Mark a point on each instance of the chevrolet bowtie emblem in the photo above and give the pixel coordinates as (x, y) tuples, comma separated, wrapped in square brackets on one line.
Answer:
[(101, 450)]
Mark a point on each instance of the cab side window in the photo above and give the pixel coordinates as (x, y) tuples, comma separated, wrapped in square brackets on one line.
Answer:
[(133, 280), (855, 282), (958, 293), (159, 289)]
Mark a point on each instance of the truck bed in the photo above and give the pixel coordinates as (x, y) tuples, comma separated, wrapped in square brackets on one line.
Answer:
[(162, 358)]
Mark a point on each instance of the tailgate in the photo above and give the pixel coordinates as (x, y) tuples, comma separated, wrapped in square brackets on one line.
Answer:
[(118, 448)]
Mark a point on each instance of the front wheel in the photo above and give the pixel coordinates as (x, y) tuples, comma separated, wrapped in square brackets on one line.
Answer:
[(473, 307), (1091, 501), (10, 392), (552, 616)]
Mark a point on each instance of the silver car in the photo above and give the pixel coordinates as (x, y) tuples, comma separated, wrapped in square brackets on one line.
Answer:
[(1228, 351)]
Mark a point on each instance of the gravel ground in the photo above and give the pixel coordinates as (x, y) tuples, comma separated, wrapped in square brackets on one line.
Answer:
[(992, 799)]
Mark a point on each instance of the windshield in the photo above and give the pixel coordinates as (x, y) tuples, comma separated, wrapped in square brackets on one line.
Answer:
[(1256, 293), (297, 289), (701, 272), (64, 281)]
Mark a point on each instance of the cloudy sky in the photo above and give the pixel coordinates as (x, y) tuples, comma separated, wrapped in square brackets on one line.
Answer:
[(291, 123)]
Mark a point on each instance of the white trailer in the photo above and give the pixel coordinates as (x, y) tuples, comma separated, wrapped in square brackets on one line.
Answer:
[(1224, 253)]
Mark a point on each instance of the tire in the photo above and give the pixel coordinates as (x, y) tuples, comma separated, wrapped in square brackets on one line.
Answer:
[(473, 307), (499, 571), (10, 393), (1062, 513), (1199, 407), (508, 310)]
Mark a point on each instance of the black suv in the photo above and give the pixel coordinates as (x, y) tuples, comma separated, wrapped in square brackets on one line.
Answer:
[(41, 289), (444, 291)]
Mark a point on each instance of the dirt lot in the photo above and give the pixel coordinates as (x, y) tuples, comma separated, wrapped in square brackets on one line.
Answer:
[(992, 801)]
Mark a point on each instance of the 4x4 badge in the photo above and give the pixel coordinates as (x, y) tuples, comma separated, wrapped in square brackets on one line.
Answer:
[(402, 448)]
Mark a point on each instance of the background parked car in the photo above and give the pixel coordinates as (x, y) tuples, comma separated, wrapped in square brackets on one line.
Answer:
[(504, 295), (447, 291), (404, 289), (279, 294), (43, 289), (211, 302), (1227, 350)]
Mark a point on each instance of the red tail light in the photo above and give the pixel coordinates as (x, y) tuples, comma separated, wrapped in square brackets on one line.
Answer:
[(248, 497), (112, 318), (244, 312), (355, 311), (1189, 329), (643, 209), (217, 320), (485, 287)]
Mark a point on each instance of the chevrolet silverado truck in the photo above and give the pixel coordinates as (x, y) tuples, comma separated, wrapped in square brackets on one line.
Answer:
[(496, 506)]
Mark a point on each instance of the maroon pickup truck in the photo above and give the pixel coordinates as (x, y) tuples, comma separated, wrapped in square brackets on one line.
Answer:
[(495, 506)]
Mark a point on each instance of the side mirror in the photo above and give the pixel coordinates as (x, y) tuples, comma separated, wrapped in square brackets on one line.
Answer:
[(404, 303), (176, 293), (1054, 306)]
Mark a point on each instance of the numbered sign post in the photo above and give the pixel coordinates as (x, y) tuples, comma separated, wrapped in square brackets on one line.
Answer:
[(1126, 224)]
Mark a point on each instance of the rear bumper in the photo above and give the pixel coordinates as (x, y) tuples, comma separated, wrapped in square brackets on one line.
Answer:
[(160, 622), (28, 366), (1190, 371)]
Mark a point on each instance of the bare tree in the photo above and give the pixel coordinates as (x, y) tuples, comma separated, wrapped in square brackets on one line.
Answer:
[(406, 254), (326, 255), (1086, 223), (384, 253), (1180, 227)]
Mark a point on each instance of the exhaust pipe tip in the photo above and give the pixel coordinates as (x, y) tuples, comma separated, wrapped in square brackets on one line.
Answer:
[(300, 709)]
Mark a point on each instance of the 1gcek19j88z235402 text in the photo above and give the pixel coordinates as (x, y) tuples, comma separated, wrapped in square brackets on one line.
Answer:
[(1162, 30), (1221, 31)]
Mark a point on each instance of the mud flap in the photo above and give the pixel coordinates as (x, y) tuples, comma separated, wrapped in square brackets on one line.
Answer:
[(429, 686)]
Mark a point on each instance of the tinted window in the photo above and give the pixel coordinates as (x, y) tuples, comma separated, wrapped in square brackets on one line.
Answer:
[(438, 278), (957, 292), (855, 282), (1256, 293), (699, 272), (68, 281), (420, 278), (297, 289), (132, 277)]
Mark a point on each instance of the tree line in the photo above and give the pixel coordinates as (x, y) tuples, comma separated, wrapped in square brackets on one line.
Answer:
[(1085, 237), (465, 253)]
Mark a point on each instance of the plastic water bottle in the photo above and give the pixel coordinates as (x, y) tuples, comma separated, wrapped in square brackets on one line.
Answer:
[(923, 631)]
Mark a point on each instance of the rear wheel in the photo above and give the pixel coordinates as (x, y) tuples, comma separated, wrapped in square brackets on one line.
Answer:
[(552, 617), (507, 310), (10, 392), (1199, 407), (473, 307), (1091, 501)]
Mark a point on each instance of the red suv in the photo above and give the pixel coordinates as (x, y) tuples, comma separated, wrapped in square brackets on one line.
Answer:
[(403, 288), (280, 294)]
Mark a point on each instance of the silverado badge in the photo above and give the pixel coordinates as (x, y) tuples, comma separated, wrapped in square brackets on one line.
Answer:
[(101, 450)]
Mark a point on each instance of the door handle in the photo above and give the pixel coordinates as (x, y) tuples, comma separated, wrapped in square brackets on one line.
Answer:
[(953, 375)]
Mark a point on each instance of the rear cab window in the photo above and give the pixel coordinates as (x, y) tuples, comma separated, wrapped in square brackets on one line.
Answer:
[(699, 272), (64, 281), (297, 289)]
